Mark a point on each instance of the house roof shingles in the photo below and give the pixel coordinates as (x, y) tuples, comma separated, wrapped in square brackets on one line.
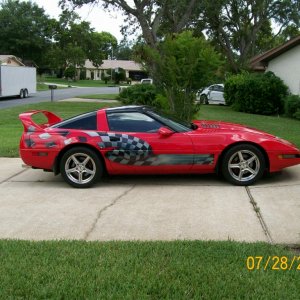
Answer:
[(128, 65)]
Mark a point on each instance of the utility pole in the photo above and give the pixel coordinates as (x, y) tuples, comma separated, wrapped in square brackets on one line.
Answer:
[(111, 58)]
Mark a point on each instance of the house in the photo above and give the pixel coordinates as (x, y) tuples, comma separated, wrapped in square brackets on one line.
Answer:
[(11, 60), (133, 70), (283, 61)]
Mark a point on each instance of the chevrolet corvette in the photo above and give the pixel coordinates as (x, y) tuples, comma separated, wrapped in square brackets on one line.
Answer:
[(140, 140)]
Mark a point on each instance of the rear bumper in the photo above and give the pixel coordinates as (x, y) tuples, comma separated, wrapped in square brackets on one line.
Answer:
[(38, 158)]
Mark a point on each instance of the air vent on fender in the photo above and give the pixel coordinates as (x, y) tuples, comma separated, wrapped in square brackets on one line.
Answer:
[(210, 126)]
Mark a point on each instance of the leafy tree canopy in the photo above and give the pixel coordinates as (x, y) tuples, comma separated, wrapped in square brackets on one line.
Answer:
[(238, 28), (26, 30), (75, 41), (182, 64)]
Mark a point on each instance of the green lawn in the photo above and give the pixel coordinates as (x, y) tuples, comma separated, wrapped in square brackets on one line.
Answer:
[(141, 270), (44, 87), (81, 83), (100, 96), (11, 127), (286, 128)]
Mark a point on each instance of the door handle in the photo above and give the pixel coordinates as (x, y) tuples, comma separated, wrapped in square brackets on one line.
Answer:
[(114, 139)]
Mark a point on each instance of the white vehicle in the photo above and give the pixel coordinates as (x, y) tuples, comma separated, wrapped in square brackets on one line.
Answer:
[(147, 81), (214, 94), (17, 81)]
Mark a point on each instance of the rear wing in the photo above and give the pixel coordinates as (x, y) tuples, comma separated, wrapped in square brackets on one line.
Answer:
[(30, 125)]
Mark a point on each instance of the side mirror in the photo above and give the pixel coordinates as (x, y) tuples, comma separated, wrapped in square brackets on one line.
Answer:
[(164, 131)]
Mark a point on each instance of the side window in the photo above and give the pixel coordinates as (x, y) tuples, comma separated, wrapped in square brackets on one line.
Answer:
[(132, 122), (84, 122)]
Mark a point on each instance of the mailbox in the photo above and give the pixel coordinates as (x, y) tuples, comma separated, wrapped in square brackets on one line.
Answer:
[(52, 87)]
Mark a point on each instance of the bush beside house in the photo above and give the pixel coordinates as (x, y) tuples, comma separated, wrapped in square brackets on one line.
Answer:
[(292, 106), (256, 93)]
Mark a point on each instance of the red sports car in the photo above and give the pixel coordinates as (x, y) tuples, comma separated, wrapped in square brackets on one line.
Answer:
[(139, 140)]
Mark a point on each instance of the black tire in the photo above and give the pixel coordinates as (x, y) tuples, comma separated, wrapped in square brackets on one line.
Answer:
[(203, 99), (25, 93), (243, 164), (74, 166), (21, 95)]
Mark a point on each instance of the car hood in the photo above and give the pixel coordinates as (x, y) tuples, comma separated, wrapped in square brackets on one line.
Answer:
[(217, 126)]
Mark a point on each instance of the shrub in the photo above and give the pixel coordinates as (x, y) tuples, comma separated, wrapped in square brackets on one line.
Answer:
[(82, 75), (180, 65), (292, 106), (106, 78), (70, 72), (256, 93), (119, 75), (143, 94)]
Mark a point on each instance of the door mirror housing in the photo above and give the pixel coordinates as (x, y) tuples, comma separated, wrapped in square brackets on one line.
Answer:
[(165, 131)]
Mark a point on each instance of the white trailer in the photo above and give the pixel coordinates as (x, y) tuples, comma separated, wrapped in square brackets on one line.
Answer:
[(17, 81)]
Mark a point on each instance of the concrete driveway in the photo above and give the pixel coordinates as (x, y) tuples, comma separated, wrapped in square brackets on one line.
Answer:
[(39, 206)]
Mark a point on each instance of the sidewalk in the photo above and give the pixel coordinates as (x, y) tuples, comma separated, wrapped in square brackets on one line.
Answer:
[(39, 206)]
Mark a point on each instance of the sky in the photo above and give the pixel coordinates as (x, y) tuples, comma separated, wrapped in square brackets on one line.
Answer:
[(99, 19)]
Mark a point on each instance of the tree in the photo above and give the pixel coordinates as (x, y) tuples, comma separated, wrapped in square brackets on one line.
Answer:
[(75, 41), (149, 15), (124, 51), (101, 46), (234, 26), (26, 30), (239, 26), (183, 64)]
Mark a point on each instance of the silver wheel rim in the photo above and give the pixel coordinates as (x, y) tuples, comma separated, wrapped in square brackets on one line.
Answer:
[(243, 165), (80, 168)]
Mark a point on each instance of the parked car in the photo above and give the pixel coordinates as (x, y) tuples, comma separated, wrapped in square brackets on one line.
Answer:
[(147, 81), (214, 94), (140, 140)]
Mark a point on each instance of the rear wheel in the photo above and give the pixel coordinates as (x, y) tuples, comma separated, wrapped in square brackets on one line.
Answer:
[(81, 167), (243, 164), (21, 94), (25, 93)]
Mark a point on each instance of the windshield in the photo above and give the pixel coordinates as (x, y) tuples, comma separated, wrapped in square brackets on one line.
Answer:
[(171, 121)]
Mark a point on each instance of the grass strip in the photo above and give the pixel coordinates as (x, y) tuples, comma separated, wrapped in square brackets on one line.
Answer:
[(142, 270), (100, 96)]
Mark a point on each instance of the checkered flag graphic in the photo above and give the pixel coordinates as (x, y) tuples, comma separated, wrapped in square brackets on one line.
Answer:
[(128, 149)]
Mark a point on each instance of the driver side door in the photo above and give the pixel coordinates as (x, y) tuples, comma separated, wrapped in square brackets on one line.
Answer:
[(142, 145)]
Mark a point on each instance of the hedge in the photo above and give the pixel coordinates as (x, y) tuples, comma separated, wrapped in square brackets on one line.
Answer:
[(256, 93)]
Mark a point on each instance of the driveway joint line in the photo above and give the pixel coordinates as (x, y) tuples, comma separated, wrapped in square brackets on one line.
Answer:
[(102, 210), (260, 217), (275, 186), (11, 177)]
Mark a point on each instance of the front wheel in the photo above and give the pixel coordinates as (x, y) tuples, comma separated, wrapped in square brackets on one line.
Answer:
[(21, 94), (243, 164), (81, 167)]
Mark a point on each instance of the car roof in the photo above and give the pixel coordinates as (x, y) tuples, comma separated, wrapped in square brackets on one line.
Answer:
[(128, 108)]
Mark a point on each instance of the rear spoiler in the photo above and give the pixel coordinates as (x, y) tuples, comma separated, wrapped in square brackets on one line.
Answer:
[(31, 126)]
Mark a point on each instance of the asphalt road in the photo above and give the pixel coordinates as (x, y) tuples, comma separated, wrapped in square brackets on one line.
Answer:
[(59, 94)]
